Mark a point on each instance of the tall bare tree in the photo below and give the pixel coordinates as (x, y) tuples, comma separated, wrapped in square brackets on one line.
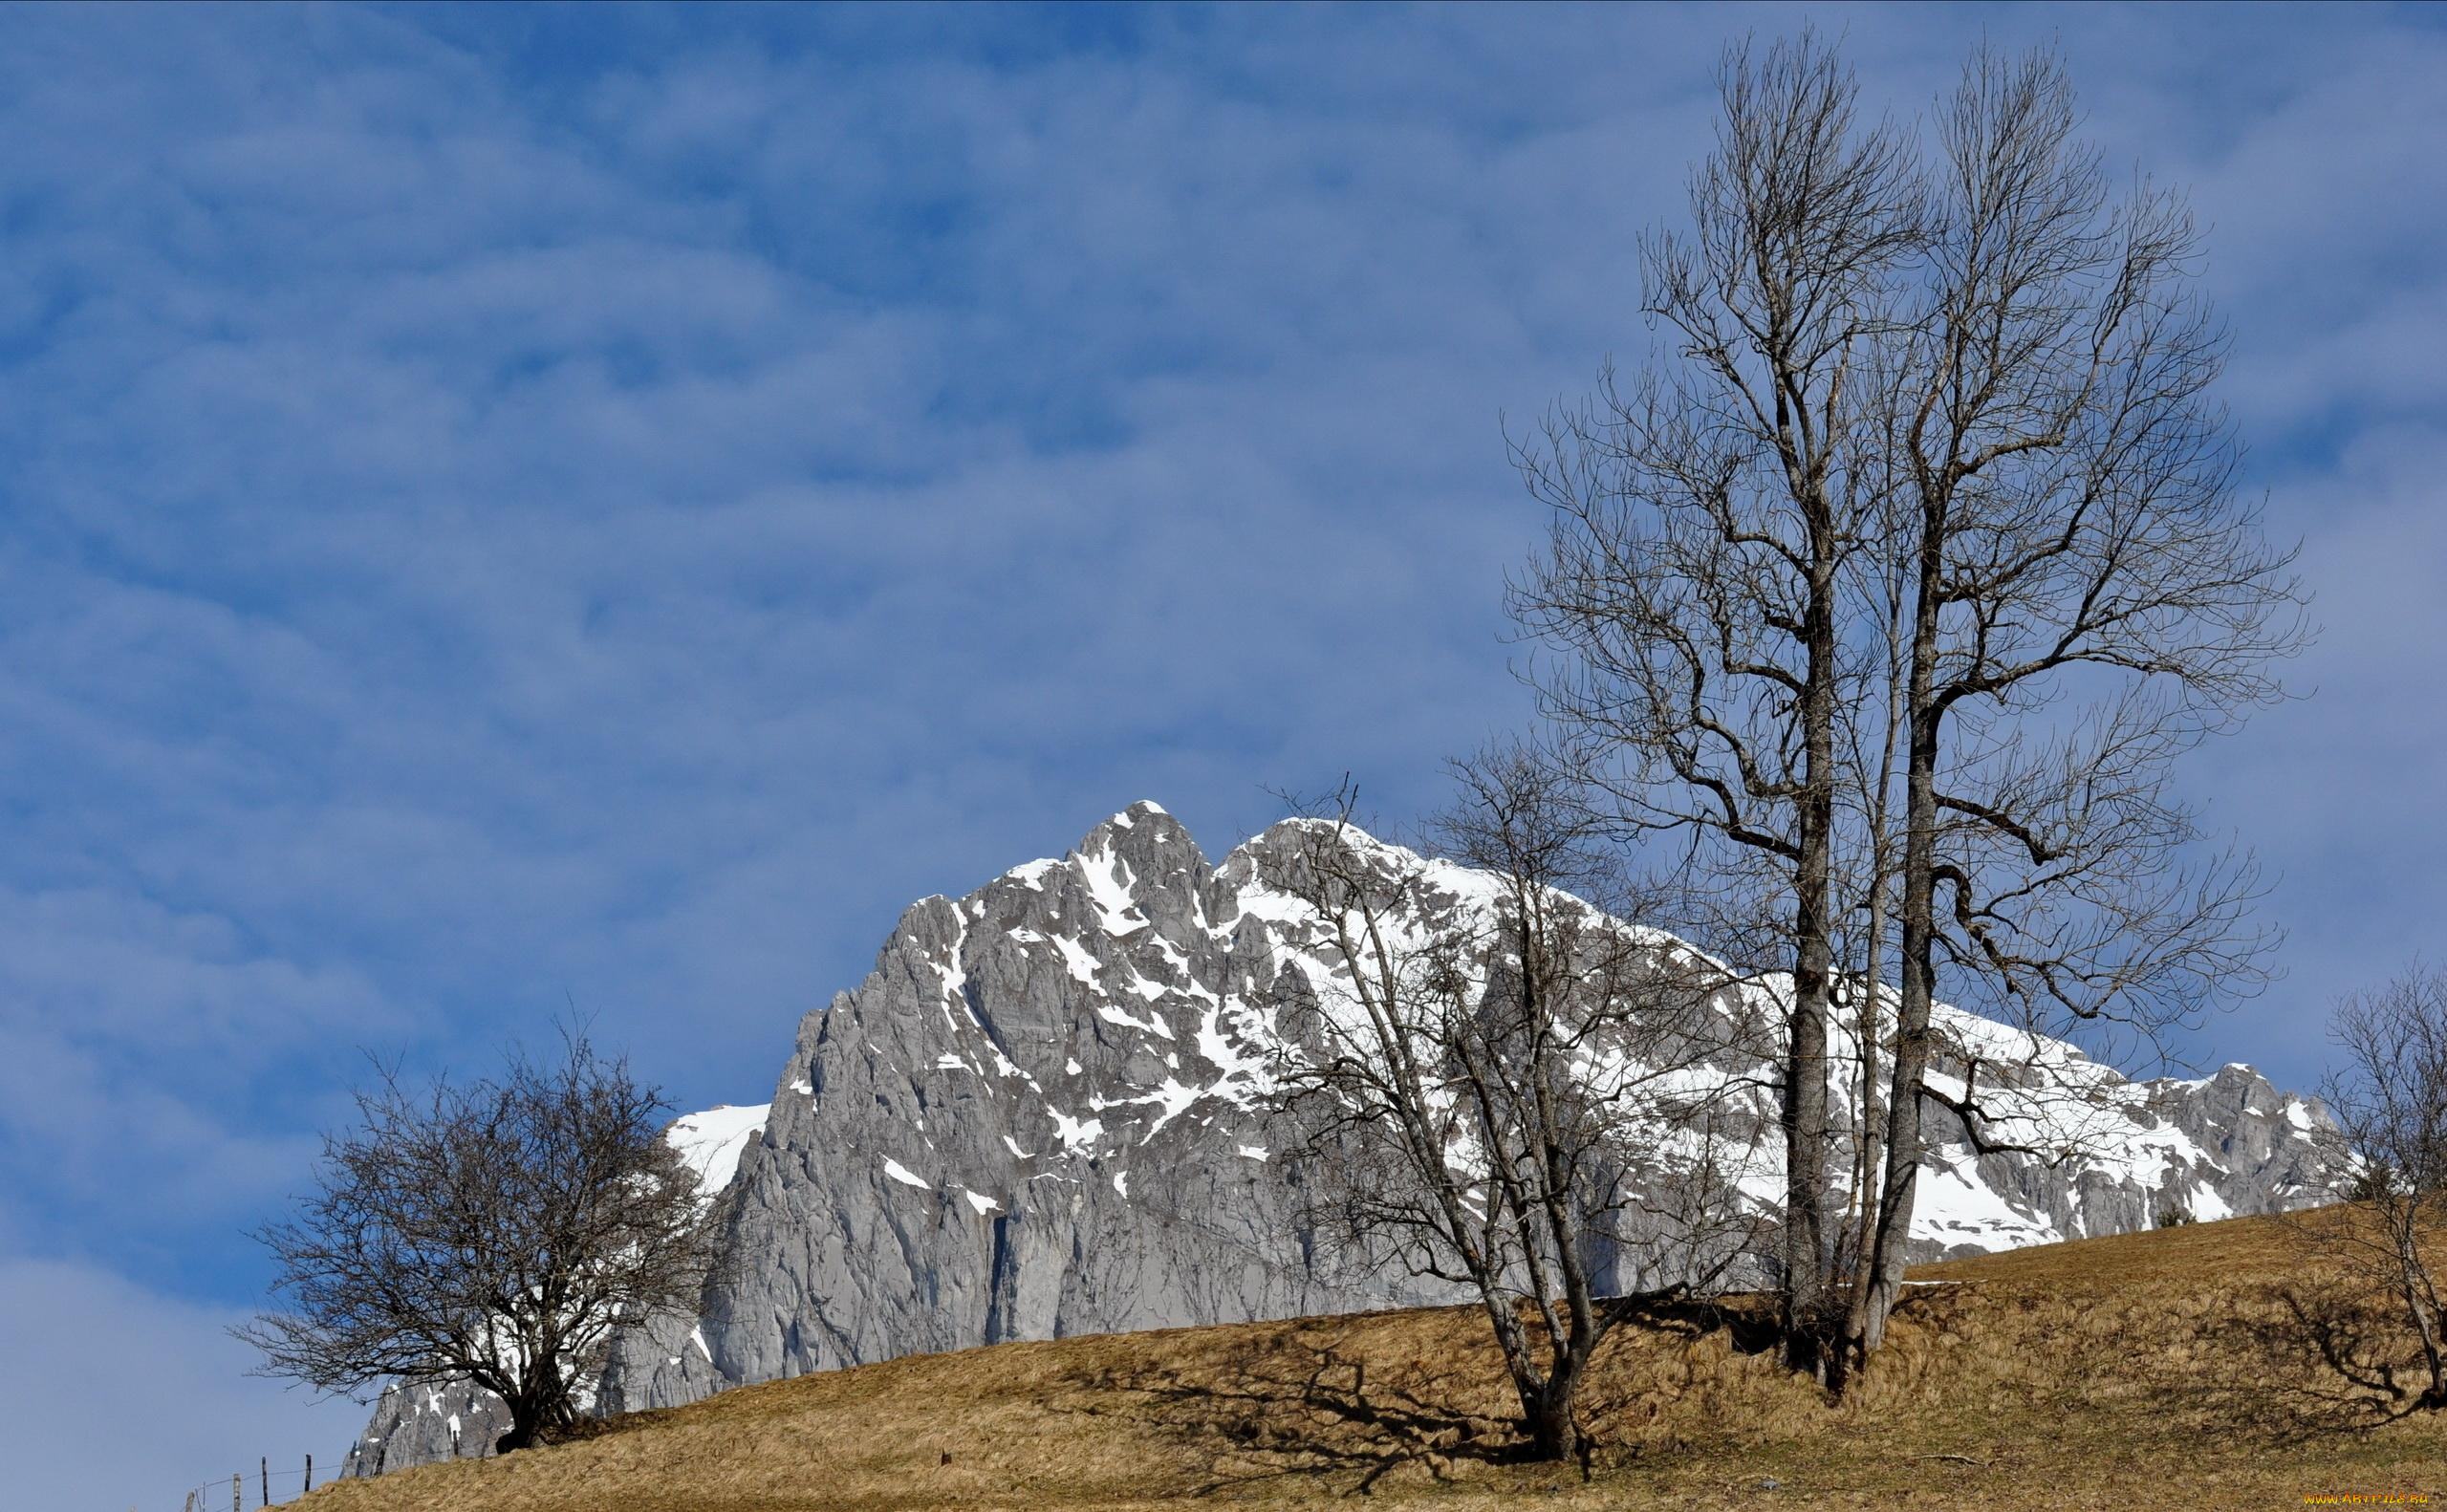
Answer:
[(496, 1232), (2390, 1104), (2091, 597), (1704, 515), (1895, 583), (1495, 1080)]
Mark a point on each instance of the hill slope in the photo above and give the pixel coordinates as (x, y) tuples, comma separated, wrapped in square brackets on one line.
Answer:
[(2144, 1368)]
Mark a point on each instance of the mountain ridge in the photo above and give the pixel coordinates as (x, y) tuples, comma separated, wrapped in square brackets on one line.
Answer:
[(1043, 1113)]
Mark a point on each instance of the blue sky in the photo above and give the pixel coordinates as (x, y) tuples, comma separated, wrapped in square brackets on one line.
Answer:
[(510, 507)]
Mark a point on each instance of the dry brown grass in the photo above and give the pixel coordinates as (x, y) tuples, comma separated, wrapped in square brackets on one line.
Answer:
[(2151, 1369)]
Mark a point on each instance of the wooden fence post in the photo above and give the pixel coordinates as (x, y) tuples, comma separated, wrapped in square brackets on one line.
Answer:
[(237, 1493), (310, 1472), (263, 1467)]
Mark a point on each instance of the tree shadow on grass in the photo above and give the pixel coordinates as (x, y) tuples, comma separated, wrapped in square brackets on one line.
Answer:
[(1333, 1399), (2303, 1361), (1311, 1403)]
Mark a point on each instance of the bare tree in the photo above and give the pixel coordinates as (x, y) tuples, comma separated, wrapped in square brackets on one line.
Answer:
[(1697, 572), (2388, 1101), (1503, 1087), (1896, 582), (2091, 597), (496, 1232)]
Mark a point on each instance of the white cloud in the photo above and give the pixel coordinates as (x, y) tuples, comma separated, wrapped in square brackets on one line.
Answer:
[(120, 1396)]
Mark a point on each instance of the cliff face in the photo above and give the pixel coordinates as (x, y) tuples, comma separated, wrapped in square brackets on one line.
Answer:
[(1039, 1116), (1042, 1115)]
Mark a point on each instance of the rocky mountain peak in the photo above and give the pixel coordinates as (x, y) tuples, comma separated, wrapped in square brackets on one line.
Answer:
[(1044, 1113)]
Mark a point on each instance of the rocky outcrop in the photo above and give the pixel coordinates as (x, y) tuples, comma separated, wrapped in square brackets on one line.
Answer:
[(417, 1425), (1043, 1113), (1039, 1116)]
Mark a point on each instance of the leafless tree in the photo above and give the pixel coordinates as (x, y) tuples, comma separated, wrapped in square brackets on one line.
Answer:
[(2388, 1101), (1503, 1087), (1896, 582), (1705, 516), (2091, 597), (496, 1232)]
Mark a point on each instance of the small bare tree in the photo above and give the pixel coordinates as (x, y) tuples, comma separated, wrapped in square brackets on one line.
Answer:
[(496, 1232), (1505, 1087), (2388, 1101)]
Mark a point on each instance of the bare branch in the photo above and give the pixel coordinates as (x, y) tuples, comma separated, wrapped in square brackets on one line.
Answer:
[(497, 1232)]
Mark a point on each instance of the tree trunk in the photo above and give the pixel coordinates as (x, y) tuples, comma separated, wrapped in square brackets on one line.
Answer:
[(1804, 1128), (1889, 1256), (1867, 1174), (2425, 1316), (1808, 1306), (1553, 1435), (1870, 1020), (1545, 1398), (535, 1416)]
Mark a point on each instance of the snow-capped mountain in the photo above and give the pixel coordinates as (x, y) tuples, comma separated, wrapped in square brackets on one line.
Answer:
[(1043, 1113), (711, 1143)]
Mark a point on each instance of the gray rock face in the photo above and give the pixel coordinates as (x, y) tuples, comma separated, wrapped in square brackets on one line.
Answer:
[(418, 1425), (1042, 1115), (1037, 1117)]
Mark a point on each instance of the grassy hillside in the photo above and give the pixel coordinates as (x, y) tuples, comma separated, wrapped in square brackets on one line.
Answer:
[(2161, 1369)]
